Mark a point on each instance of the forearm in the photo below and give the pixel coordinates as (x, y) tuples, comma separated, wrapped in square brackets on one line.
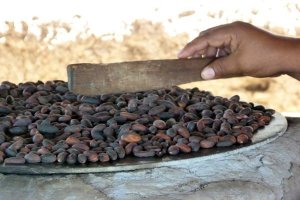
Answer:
[(289, 55)]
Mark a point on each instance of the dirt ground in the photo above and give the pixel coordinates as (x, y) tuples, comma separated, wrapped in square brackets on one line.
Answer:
[(26, 57)]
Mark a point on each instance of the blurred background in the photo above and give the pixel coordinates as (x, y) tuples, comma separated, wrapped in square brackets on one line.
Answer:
[(38, 39)]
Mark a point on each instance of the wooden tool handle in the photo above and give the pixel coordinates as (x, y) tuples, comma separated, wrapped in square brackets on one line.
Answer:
[(94, 79)]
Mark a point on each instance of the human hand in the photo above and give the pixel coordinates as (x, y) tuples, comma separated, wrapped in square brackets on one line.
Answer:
[(243, 50)]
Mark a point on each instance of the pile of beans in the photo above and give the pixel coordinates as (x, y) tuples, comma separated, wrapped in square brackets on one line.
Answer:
[(46, 123)]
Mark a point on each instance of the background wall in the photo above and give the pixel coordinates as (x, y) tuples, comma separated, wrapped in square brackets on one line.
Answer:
[(39, 38)]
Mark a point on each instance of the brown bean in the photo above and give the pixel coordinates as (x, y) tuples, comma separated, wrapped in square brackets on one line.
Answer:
[(59, 151), (65, 118), (63, 136), (171, 132), (242, 138), (60, 144), (157, 109), (173, 150), (184, 148), (182, 141), (2, 153), (5, 145), (129, 148), (137, 148), (163, 136), (10, 152), (71, 158), (81, 158), (47, 143), (24, 150), (195, 146), (144, 154), (265, 119), (139, 127), (120, 151), (255, 126), (200, 125), (152, 147), (32, 158), (183, 101), (183, 132), (93, 143), (2, 137), (152, 129), (48, 158), (112, 154), (160, 124), (129, 116), (17, 145), (43, 150), (37, 138), (103, 157), (226, 128), (248, 130), (245, 111), (214, 138), (30, 146), (206, 144), (195, 139), (14, 160), (62, 157), (92, 156), (72, 140), (226, 141), (81, 146), (132, 105), (131, 137), (33, 132)]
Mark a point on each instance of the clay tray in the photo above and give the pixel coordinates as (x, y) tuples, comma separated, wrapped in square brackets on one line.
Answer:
[(276, 128)]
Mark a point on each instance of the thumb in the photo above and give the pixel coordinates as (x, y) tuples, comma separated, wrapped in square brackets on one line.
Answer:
[(223, 67)]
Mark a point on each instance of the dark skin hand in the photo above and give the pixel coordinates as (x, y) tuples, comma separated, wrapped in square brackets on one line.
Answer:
[(245, 50)]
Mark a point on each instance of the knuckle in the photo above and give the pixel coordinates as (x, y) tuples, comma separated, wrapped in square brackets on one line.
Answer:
[(205, 34), (202, 33), (238, 23)]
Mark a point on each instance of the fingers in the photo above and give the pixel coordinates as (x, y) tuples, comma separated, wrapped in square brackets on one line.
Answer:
[(207, 42), (210, 52), (195, 46), (224, 67)]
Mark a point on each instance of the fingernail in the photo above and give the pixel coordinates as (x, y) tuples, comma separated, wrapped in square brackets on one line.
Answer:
[(208, 73)]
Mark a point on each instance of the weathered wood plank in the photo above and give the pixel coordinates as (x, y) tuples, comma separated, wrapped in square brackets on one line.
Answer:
[(95, 79)]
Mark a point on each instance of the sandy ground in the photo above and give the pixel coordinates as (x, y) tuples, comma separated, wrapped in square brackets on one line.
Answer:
[(38, 44)]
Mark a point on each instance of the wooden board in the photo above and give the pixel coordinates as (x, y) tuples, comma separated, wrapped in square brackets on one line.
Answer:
[(95, 79)]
